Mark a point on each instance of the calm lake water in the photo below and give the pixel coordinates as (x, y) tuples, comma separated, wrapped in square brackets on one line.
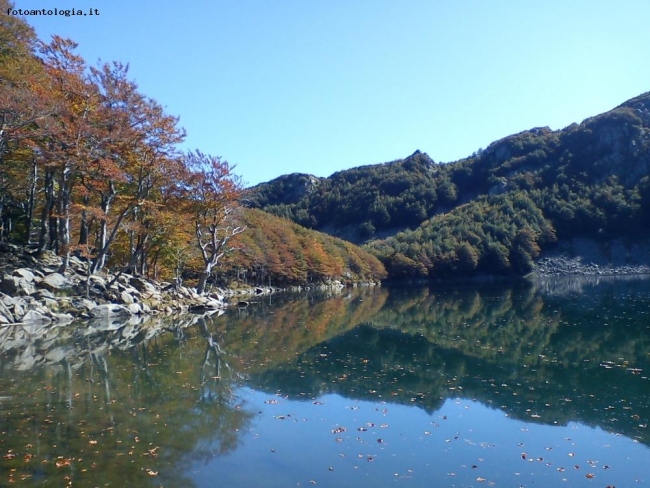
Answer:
[(505, 385)]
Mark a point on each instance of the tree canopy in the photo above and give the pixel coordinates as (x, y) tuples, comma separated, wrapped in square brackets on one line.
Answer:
[(91, 166)]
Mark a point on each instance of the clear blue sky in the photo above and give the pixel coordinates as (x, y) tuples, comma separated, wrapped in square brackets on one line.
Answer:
[(315, 86)]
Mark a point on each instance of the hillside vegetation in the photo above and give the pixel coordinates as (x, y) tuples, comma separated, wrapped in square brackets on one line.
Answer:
[(278, 252), (92, 167), (495, 211)]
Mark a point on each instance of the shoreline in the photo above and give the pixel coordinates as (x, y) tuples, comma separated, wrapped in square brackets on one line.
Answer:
[(32, 291), (574, 266)]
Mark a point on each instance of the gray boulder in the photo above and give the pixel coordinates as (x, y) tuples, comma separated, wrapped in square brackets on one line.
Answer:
[(55, 282), (5, 312), (110, 310), (142, 285), (17, 285), (25, 274), (127, 298), (35, 317)]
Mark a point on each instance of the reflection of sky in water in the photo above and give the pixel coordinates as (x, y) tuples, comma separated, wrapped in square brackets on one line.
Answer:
[(370, 387), (464, 443)]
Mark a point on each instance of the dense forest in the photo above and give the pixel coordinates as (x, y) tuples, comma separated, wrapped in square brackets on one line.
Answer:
[(493, 212), (92, 167)]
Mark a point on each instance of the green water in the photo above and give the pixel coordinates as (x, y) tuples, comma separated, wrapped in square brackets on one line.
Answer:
[(475, 385)]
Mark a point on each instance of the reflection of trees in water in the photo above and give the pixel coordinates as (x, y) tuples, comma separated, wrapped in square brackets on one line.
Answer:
[(489, 321), (539, 359), (161, 397), (138, 417), (217, 376), (266, 337)]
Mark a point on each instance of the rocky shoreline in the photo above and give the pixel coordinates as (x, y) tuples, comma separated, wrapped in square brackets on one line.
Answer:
[(575, 266), (587, 257), (33, 291)]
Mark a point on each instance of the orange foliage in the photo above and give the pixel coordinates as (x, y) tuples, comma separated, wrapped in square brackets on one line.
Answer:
[(279, 251)]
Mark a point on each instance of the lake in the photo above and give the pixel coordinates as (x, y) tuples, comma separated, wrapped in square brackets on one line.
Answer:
[(483, 384)]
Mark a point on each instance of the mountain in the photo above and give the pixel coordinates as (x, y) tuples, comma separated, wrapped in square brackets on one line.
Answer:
[(495, 211), (360, 202)]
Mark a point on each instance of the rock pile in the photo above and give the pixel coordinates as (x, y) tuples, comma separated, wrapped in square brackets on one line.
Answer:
[(574, 266), (587, 257), (33, 291)]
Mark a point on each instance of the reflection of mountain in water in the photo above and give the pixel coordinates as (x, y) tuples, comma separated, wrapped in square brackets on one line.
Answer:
[(550, 359), (544, 360)]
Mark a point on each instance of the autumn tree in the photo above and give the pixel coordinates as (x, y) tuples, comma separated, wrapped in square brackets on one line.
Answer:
[(69, 146), (212, 195), (136, 162), (25, 108)]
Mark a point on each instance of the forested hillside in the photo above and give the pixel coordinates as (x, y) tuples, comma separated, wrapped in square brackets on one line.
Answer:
[(278, 252), (361, 201), (494, 211), (91, 166)]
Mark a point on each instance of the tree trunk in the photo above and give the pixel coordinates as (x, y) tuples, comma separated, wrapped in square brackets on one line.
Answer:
[(99, 261), (84, 226), (63, 210), (31, 203), (203, 279), (46, 211), (102, 243), (64, 241), (2, 228)]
